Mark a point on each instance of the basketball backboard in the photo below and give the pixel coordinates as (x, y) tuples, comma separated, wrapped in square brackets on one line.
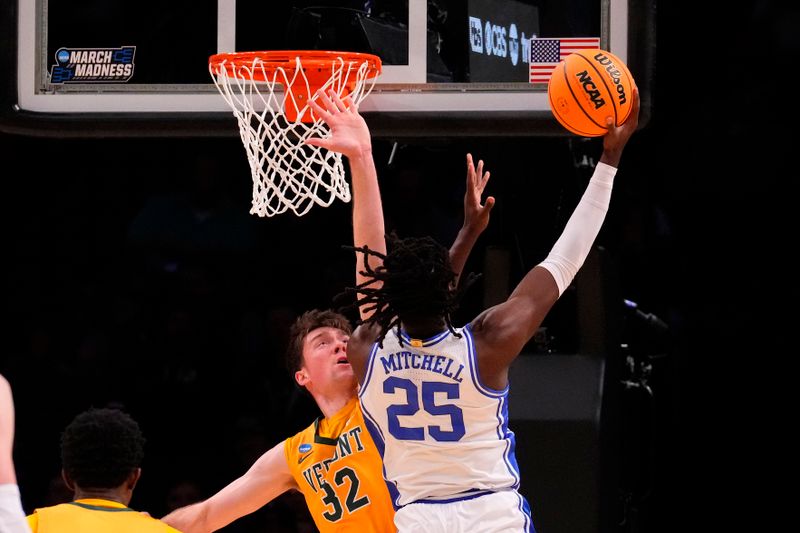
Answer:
[(450, 67)]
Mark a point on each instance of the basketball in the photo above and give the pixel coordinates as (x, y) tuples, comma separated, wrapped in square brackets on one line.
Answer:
[(586, 87)]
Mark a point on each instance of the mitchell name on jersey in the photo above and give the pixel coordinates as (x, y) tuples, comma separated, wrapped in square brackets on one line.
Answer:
[(438, 364)]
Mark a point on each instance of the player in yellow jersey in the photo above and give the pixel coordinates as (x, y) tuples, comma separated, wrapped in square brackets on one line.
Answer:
[(333, 462), (101, 454)]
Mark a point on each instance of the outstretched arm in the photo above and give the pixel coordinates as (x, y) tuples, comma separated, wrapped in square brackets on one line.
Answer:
[(476, 216), (12, 516), (268, 478), (350, 136), (502, 331)]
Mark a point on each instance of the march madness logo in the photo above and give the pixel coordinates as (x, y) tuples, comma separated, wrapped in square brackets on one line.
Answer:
[(93, 65)]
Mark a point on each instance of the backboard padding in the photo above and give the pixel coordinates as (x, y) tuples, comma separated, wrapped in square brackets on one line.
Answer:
[(171, 92)]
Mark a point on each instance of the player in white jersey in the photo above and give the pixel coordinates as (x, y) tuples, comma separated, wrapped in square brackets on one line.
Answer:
[(435, 397)]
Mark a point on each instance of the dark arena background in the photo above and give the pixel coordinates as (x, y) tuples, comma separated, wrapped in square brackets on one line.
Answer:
[(134, 275)]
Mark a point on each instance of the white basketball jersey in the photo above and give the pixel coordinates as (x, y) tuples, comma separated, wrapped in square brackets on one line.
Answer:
[(443, 435)]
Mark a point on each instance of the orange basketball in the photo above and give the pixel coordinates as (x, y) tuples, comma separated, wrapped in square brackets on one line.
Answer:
[(586, 87)]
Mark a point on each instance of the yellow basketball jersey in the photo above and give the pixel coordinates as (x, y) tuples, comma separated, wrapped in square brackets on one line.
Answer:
[(339, 471), (94, 516)]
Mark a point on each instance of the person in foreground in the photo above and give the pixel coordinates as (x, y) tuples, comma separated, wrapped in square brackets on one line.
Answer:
[(12, 516), (333, 462), (435, 397), (101, 457)]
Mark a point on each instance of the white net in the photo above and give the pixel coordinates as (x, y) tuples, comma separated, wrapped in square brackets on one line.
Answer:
[(287, 173)]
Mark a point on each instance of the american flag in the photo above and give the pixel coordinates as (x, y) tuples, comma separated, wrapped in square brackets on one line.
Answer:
[(547, 53)]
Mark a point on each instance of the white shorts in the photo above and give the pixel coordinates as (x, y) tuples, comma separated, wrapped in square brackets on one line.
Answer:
[(505, 511)]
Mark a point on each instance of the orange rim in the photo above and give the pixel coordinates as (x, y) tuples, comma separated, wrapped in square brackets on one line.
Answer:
[(315, 64), (311, 61)]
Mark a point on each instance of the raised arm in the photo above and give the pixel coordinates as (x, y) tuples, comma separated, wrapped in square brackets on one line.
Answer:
[(7, 473), (476, 216), (350, 136), (476, 219), (12, 516), (503, 330), (268, 478)]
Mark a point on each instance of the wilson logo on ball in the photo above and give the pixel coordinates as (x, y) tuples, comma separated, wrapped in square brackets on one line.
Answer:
[(614, 72)]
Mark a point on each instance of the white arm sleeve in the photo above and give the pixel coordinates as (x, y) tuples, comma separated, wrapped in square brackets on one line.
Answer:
[(570, 250), (12, 517)]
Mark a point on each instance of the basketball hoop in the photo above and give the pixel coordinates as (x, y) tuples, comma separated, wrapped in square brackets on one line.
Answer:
[(286, 172)]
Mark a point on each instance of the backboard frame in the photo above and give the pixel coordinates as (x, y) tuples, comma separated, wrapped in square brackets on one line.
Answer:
[(401, 104)]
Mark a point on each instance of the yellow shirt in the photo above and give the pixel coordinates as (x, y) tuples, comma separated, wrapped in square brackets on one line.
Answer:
[(94, 516), (340, 473)]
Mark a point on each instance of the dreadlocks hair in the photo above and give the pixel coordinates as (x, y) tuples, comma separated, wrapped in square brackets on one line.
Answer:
[(101, 447), (417, 283), (305, 324)]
